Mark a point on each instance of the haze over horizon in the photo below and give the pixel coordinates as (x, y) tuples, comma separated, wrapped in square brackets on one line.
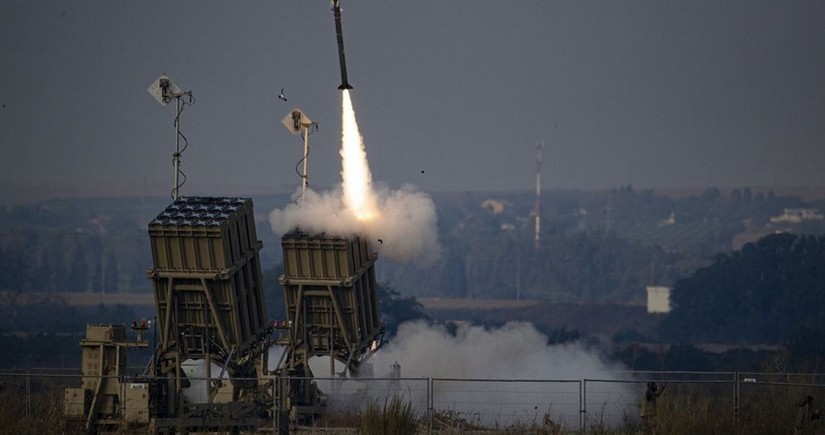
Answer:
[(450, 96)]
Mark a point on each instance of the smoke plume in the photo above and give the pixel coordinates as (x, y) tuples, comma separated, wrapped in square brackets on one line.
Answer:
[(399, 224), (404, 231), (466, 366), (517, 350)]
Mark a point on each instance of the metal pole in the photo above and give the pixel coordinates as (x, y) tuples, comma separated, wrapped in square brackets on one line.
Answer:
[(582, 404), (736, 402), (331, 347), (539, 146), (178, 381), (28, 411), (176, 156), (518, 274), (430, 406), (155, 346), (207, 351), (305, 181), (276, 406)]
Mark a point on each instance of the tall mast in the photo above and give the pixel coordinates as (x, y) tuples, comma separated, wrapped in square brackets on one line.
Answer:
[(537, 210)]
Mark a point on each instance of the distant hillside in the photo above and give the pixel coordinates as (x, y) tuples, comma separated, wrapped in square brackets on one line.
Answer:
[(592, 320), (595, 247)]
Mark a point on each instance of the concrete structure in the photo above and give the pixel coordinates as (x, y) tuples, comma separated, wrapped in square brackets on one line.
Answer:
[(101, 397)]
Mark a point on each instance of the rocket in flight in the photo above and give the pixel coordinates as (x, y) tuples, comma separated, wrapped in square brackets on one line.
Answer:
[(336, 11)]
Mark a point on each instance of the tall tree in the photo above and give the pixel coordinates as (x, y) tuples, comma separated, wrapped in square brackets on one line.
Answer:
[(78, 279), (758, 294), (111, 277)]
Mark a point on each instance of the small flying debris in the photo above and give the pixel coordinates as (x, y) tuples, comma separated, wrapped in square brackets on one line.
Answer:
[(281, 96), (381, 241)]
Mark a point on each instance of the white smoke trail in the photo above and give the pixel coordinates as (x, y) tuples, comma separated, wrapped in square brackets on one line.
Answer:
[(399, 224)]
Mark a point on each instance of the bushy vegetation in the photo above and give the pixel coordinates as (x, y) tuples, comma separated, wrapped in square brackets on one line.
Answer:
[(763, 293), (396, 309), (36, 413)]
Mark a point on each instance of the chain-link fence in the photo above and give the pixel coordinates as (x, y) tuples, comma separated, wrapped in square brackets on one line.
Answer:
[(32, 401), (475, 404), (777, 402)]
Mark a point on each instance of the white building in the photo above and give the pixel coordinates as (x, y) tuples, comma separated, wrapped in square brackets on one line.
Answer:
[(658, 299)]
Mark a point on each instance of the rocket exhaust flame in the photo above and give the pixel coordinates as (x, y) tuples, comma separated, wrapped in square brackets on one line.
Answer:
[(400, 223), (358, 194)]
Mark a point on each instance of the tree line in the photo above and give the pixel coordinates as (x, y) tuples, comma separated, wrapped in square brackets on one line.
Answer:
[(768, 291), (594, 246)]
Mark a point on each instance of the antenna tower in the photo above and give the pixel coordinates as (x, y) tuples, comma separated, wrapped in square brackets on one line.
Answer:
[(537, 211), (299, 124), (165, 90)]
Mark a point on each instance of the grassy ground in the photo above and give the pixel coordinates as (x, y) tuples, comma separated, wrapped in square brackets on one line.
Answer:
[(683, 410), (39, 413)]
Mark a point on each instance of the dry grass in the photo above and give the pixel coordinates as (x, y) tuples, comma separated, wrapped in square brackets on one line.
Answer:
[(393, 417), (684, 409), (37, 413)]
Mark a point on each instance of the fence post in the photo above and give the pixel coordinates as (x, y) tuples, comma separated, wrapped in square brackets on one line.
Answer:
[(430, 406), (736, 402), (582, 404), (28, 412), (276, 408)]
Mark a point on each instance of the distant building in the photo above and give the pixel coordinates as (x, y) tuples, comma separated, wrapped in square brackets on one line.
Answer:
[(658, 299), (797, 215), (495, 206), (671, 220)]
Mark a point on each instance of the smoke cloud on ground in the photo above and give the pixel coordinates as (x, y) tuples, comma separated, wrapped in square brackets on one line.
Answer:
[(466, 367), (517, 350)]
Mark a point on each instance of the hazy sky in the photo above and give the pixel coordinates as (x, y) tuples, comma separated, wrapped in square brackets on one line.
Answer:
[(652, 93)]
